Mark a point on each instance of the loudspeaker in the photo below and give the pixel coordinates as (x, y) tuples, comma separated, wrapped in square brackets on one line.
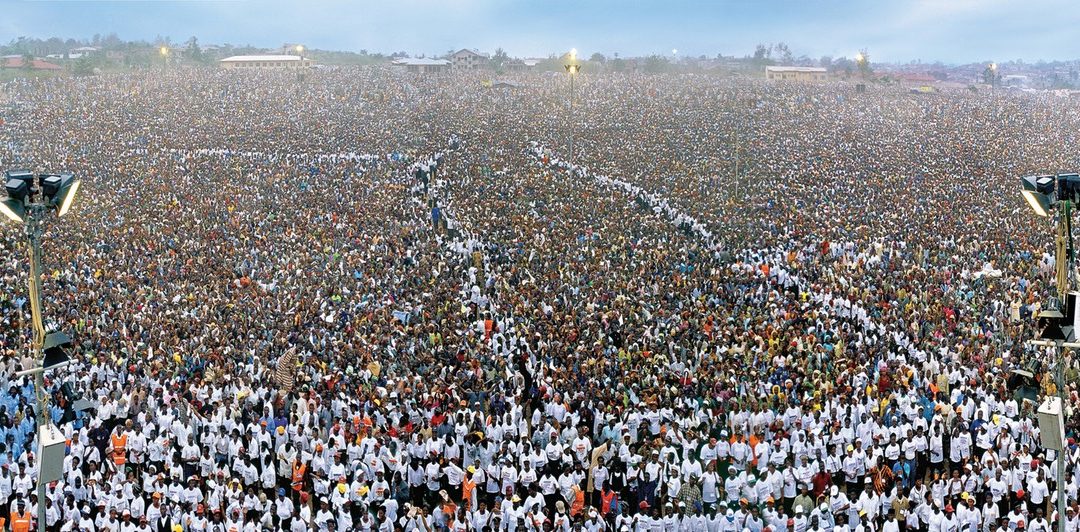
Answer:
[(51, 453), (1023, 385), (1052, 424)]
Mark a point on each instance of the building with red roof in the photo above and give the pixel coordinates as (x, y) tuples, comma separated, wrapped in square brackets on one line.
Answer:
[(15, 61)]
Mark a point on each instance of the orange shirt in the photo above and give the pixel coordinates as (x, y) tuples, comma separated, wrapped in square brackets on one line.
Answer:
[(579, 502)]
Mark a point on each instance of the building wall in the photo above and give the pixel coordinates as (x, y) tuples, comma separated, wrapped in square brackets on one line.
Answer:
[(796, 76), (468, 60), (263, 64), (427, 69)]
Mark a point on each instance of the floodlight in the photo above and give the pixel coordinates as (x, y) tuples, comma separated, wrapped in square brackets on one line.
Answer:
[(23, 175), (13, 210), (1054, 326), (17, 189), (1037, 190), (50, 184), (54, 348), (1068, 187), (66, 197)]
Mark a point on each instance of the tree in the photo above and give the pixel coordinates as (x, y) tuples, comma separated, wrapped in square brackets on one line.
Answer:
[(598, 58), (194, 52), (845, 65), (618, 64), (989, 75), (111, 41), (28, 61), (83, 66), (655, 63), (761, 54), (783, 53), (825, 61), (499, 58)]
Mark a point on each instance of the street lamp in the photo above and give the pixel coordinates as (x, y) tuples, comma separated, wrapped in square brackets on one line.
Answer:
[(572, 68), (993, 76), (1044, 194), (30, 198), (300, 53), (164, 51)]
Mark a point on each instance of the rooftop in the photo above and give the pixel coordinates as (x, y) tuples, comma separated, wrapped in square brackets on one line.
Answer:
[(14, 61), (410, 61), (794, 69), (466, 51)]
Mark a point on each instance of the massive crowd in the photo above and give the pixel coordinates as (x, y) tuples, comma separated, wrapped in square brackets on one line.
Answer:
[(370, 300)]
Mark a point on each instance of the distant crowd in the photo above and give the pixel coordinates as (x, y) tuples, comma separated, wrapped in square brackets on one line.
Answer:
[(379, 301)]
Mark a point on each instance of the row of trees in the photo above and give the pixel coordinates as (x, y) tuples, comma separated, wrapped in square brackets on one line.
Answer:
[(780, 54)]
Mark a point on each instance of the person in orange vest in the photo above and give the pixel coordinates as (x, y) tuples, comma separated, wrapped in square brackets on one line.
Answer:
[(20, 519), (118, 447), (609, 501), (468, 487), (299, 469)]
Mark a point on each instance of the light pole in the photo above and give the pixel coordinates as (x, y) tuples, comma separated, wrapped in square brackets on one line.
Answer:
[(993, 76), (300, 53), (164, 51), (572, 68), (1057, 322), (30, 198), (862, 61)]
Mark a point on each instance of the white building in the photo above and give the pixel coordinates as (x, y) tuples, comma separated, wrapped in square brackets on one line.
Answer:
[(264, 61), (423, 66), (469, 59), (796, 73)]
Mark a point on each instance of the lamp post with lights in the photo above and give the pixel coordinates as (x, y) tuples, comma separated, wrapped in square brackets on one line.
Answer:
[(1057, 195), (30, 198), (300, 53), (572, 68)]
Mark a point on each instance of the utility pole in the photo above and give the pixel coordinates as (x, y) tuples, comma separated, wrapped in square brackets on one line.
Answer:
[(30, 198), (33, 239), (1063, 261), (572, 116), (1064, 268), (572, 68)]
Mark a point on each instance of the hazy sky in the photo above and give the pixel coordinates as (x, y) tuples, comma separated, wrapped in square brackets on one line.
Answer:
[(953, 31)]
